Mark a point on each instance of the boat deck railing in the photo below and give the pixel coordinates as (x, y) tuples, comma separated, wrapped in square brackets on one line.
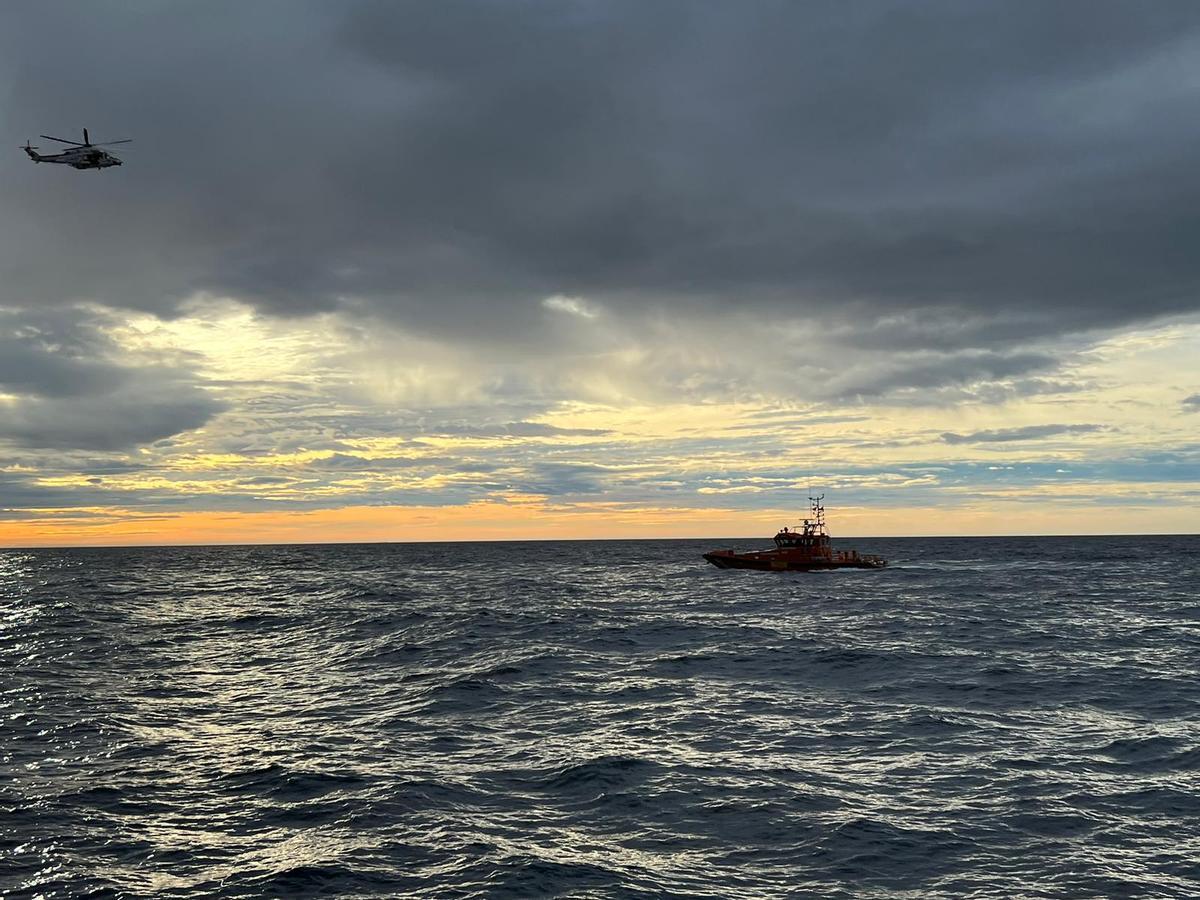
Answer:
[(853, 556)]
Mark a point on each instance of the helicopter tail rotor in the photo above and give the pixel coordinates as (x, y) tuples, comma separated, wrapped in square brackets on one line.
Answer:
[(31, 152)]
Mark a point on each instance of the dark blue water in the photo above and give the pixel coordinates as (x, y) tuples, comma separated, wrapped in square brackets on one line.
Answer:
[(987, 718)]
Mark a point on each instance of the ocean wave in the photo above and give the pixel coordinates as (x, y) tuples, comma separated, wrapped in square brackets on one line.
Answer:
[(990, 718)]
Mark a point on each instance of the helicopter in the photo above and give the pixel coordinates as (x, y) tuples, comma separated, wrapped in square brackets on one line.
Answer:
[(80, 156)]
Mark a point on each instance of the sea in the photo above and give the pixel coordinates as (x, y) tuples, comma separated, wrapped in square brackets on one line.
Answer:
[(1010, 717)]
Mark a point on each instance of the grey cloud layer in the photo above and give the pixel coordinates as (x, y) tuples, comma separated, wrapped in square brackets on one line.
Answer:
[(1014, 170), (1025, 433), (938, 191), (69, 389)]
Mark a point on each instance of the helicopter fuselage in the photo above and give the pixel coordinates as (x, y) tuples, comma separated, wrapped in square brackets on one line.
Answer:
[(81, 158)]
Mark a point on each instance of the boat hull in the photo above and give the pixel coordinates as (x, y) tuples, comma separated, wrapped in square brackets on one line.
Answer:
[(768, 561)]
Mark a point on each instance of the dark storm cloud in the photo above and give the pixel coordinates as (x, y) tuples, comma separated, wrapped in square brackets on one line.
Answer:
[(53, 354), (136, 415), (1013, 170), (27, 368), (71, 390), (1026, 433), (929, 372)]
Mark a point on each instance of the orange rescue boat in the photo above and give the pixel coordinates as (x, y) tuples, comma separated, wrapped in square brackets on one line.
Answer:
[(804, 549)]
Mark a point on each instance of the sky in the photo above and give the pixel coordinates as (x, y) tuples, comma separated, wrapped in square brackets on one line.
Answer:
[(487, 270)]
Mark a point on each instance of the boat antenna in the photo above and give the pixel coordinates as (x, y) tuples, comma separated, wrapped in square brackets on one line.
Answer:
[(818, 509)]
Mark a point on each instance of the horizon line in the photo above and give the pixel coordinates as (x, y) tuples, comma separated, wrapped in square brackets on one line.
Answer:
[(908, 537)]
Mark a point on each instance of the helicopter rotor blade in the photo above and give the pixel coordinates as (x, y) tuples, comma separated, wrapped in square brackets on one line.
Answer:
[(110, 143), (85, 137), (62, 140)]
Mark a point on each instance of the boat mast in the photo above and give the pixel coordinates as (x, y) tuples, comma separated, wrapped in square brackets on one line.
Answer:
[(817, 512)]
